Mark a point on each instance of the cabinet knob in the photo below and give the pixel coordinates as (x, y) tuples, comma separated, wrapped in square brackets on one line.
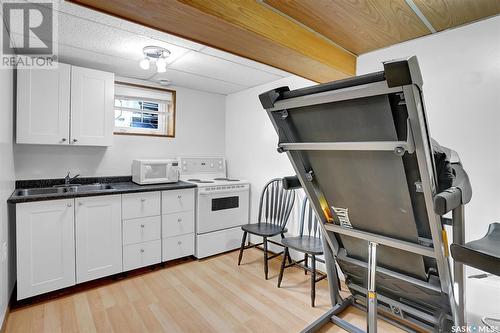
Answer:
[(179, 197), (80, 204), (142, 250), (69, 205), (63, 140), (179, 220), (179, 243), (75, 140), (142, 225), (143, 199)]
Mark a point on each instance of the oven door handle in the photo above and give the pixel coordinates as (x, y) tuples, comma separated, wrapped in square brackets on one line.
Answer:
[(236, 190)]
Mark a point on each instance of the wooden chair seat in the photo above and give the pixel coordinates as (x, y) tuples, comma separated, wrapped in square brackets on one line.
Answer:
[(263, 229), (304, 244)]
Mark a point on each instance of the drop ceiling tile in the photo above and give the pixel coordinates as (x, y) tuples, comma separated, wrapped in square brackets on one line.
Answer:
[(110, 41), (112, 21), (119, 66), (244, 61), (64, 7), (197, 82), (217, 68)]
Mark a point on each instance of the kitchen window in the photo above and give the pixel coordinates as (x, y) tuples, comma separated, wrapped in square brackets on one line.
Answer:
[(142, 110)]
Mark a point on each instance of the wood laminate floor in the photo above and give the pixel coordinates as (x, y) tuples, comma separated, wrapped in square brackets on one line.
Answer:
[(211, 295)]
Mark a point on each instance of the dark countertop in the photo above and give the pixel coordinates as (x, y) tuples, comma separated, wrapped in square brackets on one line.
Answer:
[(119, 187)]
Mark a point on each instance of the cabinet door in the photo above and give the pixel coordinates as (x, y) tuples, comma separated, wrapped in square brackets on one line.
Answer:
[(92, 107), (45, 246), (174, 201), (43, 102), (98, 237)]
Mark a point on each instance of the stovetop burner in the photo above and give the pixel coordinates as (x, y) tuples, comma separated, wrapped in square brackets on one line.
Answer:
[(227, 179), (200, 181)]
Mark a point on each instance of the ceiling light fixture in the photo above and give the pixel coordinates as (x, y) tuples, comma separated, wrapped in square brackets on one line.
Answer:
[(157, 55)]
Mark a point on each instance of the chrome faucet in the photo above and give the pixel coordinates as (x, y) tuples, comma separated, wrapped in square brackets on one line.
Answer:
[(68, 179)]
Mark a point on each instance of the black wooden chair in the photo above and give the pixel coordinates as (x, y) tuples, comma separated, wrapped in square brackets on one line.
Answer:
[(308, 242), (275, 206)]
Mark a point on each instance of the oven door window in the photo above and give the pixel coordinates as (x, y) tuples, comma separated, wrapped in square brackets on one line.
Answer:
[(225, 203)]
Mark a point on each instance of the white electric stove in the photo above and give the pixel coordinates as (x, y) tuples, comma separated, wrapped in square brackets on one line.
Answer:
[(222, 204)]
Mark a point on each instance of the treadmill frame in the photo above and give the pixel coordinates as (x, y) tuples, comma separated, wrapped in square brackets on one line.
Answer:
[(401, 76)]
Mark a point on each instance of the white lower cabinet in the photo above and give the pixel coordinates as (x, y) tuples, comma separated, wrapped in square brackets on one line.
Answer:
[(98, 237), (177, 223), (63, 242), (45, 246), (141, 230), (141, 254), (177, 247)]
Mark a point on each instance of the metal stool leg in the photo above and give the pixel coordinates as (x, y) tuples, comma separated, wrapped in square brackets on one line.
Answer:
[(371, 293)]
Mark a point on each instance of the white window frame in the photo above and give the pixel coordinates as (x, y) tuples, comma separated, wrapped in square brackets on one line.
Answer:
[(164, 97)]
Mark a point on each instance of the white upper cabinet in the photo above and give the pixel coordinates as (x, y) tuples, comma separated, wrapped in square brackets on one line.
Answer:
[(45, 246), (43, 103), (98, 223), (67, 105), (92, 102)]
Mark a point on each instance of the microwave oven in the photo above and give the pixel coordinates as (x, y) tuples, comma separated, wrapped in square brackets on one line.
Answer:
[(146, 172)]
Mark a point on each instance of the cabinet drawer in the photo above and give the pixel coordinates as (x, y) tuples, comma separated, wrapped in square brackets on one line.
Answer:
[(177, 224), (177, 247), (140, 230), (177, 201), (141, 254), (140, 205)]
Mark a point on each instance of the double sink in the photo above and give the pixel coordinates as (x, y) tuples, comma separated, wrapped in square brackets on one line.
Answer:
[(61, 189)]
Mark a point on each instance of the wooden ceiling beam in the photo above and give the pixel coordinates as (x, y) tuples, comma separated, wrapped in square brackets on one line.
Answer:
[(242, 27)]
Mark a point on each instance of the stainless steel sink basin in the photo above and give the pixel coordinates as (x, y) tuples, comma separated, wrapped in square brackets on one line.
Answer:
[(40, 191), (92, 187), (63, 189)]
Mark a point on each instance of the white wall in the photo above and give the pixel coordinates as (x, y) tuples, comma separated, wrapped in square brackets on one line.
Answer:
[(251, 143), (199, 131), (6, 182), (461, 74)]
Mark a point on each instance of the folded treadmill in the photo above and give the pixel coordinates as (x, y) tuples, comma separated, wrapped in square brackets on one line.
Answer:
[(363, 154)]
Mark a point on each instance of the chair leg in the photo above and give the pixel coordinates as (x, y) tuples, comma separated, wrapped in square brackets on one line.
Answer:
[(242, 247), (283, 263), (265, 257), (305, 263), (313, 279), (289, 256)]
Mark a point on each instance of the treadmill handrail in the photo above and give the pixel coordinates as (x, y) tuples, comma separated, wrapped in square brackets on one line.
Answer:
[(361, 145), (362, 91), (383, 240)]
